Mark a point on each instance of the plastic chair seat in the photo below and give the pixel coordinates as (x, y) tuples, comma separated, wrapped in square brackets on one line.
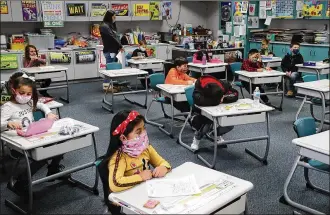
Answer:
[(318, 101), (161, 99), (238, 83), (319, 165)]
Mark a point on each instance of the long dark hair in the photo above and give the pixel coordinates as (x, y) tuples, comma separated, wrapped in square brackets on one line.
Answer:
[(199, 55), (27, 52), (21, 81), (108, 19), (115, 143)]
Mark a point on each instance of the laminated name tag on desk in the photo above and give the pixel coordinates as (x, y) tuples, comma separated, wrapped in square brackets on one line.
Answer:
[(309, 63)]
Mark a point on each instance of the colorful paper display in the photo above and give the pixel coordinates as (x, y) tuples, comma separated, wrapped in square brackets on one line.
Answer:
[(52, 12), (120, 9), (312, 8), (284, 8), (151, 51), (141, 10), (166, 7), (29, 10), (328, 10), (154, 10), (3, 7), (8, 61), (77, 9), (98, 9)]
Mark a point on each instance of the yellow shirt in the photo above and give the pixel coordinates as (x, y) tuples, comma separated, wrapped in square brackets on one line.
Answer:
[(124, 170)]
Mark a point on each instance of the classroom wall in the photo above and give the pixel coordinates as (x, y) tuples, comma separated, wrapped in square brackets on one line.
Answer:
[(194, 13)]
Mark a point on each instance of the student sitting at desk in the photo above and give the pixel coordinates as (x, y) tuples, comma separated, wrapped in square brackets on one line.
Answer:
[(7, 86), (254, 64), (140, 53), (264, 48), (32, 59), (130, 155), (178, 76), (16, 114), (197, 58), (288, 65)]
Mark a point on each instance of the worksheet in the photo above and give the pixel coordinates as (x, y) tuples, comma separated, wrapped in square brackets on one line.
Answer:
[(185, 186)]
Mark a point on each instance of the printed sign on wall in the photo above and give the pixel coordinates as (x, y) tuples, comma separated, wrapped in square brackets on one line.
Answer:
[(52, 13), (154, 10), (141, 9), (3, 7), (98, 9), (29, 10), (76, 9), (166, 9), (120, 9), (328, 10), (8, 61)]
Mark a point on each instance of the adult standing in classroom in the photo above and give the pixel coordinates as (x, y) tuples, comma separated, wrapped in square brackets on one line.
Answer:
[(110, 40)]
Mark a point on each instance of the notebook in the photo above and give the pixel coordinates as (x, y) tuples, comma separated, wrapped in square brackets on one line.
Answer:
[(35, 128)]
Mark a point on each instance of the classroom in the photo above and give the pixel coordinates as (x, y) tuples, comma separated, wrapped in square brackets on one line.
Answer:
[(164, 107)]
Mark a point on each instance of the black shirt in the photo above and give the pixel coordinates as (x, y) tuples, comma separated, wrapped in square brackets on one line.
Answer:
[(289, 61), (138, 52), (109, 38)]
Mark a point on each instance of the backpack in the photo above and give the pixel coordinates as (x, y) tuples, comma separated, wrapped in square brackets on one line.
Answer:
[(209, 91)]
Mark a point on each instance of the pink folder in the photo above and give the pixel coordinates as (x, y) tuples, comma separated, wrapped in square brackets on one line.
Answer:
[(41, 126)]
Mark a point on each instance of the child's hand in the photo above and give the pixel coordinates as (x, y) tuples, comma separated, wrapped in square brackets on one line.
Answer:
[(190, 82), (146, 175), (159, 172), (260, 70), (14, 125), (52, 116)]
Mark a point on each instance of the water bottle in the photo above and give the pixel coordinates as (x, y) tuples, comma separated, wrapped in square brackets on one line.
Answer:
[(256, 97), (204, 59)]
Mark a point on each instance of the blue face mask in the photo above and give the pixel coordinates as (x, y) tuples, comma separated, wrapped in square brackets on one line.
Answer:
[(295, 51)]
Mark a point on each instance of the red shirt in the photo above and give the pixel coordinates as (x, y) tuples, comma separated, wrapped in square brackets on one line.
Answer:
[(251, 66)]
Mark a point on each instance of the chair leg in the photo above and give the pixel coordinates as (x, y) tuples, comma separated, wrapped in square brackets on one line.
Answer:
[(242, 92), (149, 121), (310, 185), (179, 140)]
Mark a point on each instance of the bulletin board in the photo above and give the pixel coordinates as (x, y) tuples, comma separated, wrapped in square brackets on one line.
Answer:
[(312, 8), (284, 8)]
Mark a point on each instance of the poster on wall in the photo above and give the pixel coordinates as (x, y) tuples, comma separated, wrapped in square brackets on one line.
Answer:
[(245, 5), (253, 22), (312, 8), (151, 51), (262, 13), (252, 9), (52, 13), (76, 9), (29, 10), (268, 4), (3, 7), (284, 8), (141, 10), (328, 10), (98, 9), (154, 10), (237, 9), (120, 9), (166, 7), (8, 61), (225, 13)]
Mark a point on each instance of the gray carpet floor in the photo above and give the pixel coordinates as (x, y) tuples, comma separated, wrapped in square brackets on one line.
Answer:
[(268, 180)]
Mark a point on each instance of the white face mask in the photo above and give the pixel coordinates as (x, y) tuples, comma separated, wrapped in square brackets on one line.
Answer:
[(142, 49), (22, 99)]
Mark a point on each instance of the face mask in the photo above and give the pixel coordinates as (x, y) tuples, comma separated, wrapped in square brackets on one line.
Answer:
[(254, 60), (137, 145), (142, 49), (22, 99), (295, 51)]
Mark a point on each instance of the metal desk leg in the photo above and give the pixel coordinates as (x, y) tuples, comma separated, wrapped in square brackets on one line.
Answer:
[(323, 113), (67, 88), (149, 121), (311, 108), (146, 101), (250, 82), (285, 191), (282, 94), (264, 158), (215, 147), (318, 74), (105, 98), (3, 167), (58, 113), (310, 185), (179, 140), (226, 73), (30, 196), (136, 103), (93, 188), (301, 106), (172, 121)]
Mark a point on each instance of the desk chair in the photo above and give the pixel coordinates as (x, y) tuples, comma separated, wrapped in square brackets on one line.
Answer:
[(236, 66), (305, 127)]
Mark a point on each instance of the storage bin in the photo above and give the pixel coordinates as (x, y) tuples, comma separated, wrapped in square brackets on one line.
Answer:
[(41, 41)]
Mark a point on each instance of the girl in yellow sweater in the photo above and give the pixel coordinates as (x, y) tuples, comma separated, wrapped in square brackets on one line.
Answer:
[(131, 154)]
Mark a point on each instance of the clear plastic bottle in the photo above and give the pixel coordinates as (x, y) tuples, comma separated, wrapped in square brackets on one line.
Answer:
[(204, 59), (256, 97)]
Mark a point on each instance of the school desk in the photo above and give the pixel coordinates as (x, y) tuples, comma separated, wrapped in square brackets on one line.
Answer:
[(48, 145), (315, 89), (314, 147), (147, 63), (123, 73), (240, 112), (319, 69), (231, 198), (271, 61), (265, 77), (44, 72), (208, 68)]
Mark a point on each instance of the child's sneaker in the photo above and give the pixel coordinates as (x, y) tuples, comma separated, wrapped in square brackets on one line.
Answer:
[(195, 144)]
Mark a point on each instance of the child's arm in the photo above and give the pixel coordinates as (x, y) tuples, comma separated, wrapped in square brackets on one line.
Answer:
[(171, 78), (284, 64), (231, 96), (42, 61), (156, 160), (44, 108), (246, 66), (187, 77), (117, 179), (5, 116), (195, 59)]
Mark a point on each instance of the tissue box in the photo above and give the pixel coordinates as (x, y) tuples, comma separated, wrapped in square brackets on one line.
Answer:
[(309, 63)]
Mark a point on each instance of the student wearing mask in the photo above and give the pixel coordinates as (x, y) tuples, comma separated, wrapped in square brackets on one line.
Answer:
[(288, 65), (254, 64), (142, 53), (110, 40)]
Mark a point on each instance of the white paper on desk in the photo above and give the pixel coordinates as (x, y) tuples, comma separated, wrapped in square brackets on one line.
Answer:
[(229, 27), (184, 186), (242, 30), (268, 20), (121, 58), (236, 31)]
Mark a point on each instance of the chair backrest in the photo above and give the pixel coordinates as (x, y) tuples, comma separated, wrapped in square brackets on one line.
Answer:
[(236, 66), (38, 114), (189, 94), (128, 56), (305, 126), (308, 78), (156, 78), (190, 59), (102, 168), (113, 66)]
